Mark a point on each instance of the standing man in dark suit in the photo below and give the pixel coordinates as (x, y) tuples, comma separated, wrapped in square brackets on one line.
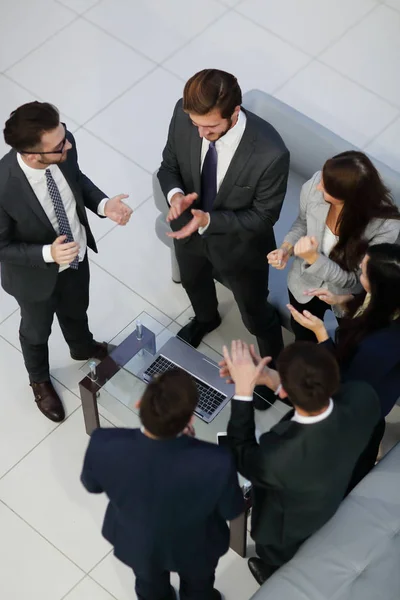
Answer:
[(170, 494), (224, 173), (44, 235), (302, 468)]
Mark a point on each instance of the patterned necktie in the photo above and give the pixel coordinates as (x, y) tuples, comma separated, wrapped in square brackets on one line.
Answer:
[(209, 178), (63, 223)]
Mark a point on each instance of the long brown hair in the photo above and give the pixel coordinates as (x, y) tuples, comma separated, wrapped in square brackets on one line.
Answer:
[(352, 178), (383, 272)]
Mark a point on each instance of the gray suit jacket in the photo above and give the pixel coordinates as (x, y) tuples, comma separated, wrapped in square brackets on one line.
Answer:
[(249, 200), (25, 227), (325, 272)]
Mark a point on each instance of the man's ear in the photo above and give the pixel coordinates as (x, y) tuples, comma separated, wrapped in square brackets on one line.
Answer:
[(282, 393)]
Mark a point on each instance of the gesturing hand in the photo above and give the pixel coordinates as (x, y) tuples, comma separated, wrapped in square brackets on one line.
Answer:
[(242, 369), (309, 321), (328, 297), (118, 211), (306, 248), (278, 258), (64, 253), (179, 203), (268, 377), (200, 219)]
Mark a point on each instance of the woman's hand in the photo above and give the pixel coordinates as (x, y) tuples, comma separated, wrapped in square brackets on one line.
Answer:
[(279, 258), (310, 321), (329, 297), (306, 248)]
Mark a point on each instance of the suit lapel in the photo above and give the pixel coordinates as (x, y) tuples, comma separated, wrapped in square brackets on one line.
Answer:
[(18, 182), (237, 164), (195, 160)]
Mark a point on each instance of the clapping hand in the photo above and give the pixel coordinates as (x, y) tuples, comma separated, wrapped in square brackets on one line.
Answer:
[(179, 203), (306, 248), (309, 321), (244, 367), (118, 211), (328, 297), (200, 219), (278, 258)]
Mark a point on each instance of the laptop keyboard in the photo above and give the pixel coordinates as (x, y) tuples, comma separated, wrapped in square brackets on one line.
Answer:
[(209, 398)]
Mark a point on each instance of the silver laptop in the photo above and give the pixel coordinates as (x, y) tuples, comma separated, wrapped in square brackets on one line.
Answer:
[(213, 392)]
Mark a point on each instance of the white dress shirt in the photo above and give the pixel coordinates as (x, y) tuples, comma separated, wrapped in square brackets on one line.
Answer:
[(226, 147), (306, 420), (38, 183)]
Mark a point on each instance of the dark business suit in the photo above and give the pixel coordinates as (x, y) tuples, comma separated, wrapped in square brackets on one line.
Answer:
[(38, 287), (169, 503), (376, 360), (240, 233), (301, 472)]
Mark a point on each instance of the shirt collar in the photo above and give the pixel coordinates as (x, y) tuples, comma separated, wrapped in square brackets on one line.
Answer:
[(34, 175), (315, 419), (235, 133)]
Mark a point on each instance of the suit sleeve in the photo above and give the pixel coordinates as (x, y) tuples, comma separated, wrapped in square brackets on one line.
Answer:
[(231, 503), (252, 459), (88, 475), (169, 174), (92, 195), (266, 208), (18, 253)]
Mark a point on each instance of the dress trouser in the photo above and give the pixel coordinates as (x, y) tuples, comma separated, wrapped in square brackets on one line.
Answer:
[(249, 287), (69, 301), (156, 586), (315, 306)]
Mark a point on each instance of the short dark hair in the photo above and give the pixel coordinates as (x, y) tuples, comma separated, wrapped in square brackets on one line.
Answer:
[(26, 125), (168, 403), (210, 89), (309, 375)]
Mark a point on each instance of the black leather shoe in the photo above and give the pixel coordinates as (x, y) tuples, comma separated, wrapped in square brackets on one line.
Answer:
[(99, 350), (260, 571), (48, 401), (194, 331)]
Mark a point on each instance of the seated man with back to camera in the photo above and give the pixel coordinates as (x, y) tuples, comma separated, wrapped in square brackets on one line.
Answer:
[(170, 494), (303, 467)]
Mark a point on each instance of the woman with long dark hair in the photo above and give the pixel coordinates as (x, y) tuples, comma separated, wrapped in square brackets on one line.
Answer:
[(367, 341), (343, 210)]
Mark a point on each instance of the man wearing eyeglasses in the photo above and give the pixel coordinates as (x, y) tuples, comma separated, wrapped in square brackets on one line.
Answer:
[(44, 235)]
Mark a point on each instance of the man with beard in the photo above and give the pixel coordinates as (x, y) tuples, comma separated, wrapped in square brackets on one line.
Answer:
[(44, 235), (224, 173)]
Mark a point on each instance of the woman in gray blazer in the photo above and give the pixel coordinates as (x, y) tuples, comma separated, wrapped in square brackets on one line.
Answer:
[(343, 210)]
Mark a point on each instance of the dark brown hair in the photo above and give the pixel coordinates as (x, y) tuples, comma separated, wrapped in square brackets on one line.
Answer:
[(309, 375), (352, 178), (383, 273), (168, 403), (26, 125), (210, 89)]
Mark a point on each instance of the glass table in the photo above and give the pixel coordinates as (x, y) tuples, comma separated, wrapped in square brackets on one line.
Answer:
[(113, 389)]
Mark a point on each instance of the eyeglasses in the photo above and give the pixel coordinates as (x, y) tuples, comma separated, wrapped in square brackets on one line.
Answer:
[(60, 151)]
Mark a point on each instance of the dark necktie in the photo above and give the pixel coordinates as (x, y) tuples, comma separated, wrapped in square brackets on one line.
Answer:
[(209, 178), (59, 208)]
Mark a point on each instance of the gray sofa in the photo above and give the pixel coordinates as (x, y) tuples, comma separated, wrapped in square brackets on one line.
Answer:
[(356, 555), (310, 145)]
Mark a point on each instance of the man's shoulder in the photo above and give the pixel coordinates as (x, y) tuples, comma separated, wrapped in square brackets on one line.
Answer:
[(266, 135), (7, 163), (106, 435)]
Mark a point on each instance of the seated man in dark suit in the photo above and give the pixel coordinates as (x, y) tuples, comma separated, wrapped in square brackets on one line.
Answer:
[(301, 469), (170, 494)]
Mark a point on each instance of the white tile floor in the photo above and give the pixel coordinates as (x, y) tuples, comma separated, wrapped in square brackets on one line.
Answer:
[(115, 69)]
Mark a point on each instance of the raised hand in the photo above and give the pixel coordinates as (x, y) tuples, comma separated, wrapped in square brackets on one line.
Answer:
[(306, 248), (309, 321), (242, 368), (278, 258), (328, 297)]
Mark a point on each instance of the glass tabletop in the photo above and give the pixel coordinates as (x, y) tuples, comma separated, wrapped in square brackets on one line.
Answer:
[(118, 395)]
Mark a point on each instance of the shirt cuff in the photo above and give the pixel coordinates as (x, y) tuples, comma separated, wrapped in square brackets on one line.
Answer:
[(172, 193), (46, 253), (243, 398), (101, 207), (204, 229), (278, 389)]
